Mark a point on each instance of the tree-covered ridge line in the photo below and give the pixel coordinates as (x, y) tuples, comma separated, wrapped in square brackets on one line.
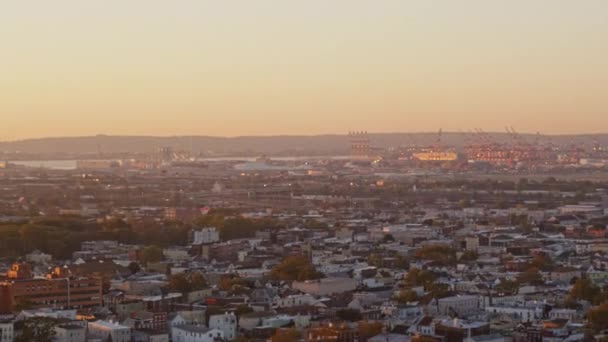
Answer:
[(62, 236)]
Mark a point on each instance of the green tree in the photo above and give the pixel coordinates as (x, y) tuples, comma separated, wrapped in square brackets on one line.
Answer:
[(441, 255), (438, 290), (388, 238), (242, 338), (185, 283), (350, 315), (585, 289), (530, 276), (508, 286), (179, 283), (234, 285), (406, 296), (197, 281), (151, 254), (368, 330), (416, 277), (295, 268), (38, 329), (597, 317), (286, 335), (243, 310), (24, 304), (543, 263), (375, 259), (231, 227), (134, 267), (468, 256)]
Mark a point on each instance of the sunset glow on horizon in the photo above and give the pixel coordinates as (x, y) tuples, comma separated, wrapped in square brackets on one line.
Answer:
[(267, 67)]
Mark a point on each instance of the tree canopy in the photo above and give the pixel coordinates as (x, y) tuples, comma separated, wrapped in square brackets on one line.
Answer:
[(468, 256), (62, 236), (151, 254), (598, 317), (543, 263), (585, 289), (286, 335), (235, 227), (416, 277), (295, 268), (530, 276), (441, 255), (508, 286), (368, 330), (185, 283), (406, 296), (350, 315), (37, 329)]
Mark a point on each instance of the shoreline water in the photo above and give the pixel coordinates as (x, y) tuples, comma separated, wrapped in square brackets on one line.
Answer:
[(71, 164)]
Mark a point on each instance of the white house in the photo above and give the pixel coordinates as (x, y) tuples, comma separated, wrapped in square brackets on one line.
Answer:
[(461, 305), (227, 323), (299, 321), (103, 329), (176, 254), (423, 326), (521, 312), (293, 300), (181, 318), (206, 235), (70, 333), (569, 314), (6, 331), (195, 333), (149, 336), (326, 286), (38, 257)]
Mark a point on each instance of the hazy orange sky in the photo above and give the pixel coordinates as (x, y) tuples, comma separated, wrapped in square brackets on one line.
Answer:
[(74, 67)]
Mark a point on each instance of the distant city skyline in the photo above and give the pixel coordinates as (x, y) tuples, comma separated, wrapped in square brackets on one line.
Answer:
[(265, 67)]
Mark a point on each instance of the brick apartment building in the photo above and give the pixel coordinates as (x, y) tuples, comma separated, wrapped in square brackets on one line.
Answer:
[(59, 289)]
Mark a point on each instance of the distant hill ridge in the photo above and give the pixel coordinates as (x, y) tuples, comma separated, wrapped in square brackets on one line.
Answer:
[(271, 145)]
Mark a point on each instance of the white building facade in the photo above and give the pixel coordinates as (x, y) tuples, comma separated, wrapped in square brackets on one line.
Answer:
[(227, 323)]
